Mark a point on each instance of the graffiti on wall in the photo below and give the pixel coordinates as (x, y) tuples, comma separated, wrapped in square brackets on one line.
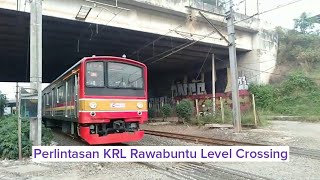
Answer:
[(201, 91), (188, 89), (243, 83)]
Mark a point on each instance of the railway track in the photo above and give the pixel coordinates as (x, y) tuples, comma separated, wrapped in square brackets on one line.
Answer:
[(309, 153), (178, 171), (202, 171), (200, 139)]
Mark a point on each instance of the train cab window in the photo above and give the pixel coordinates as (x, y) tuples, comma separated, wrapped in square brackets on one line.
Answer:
[(95, 74), (122, 75)]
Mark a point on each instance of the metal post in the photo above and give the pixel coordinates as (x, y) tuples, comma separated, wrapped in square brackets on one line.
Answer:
[(197, 108), (36, 64), (17, 97), (234, 70), (222, 109), (258, 8), (254, 110), (19, 121), (245, 7), (213, 86)]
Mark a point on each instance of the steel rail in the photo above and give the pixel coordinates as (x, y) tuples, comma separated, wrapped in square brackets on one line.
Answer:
[(308, 153), (200, 139)]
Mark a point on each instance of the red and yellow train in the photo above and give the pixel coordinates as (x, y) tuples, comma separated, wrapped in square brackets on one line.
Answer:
[(102, 99)]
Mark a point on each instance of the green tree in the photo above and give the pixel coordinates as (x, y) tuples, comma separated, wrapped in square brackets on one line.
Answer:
[(166, 111), (185, 109), (304, 24), (297, 48), (3, 101)]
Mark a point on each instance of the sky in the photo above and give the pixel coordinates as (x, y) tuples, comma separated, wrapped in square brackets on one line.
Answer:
[(281, 17)]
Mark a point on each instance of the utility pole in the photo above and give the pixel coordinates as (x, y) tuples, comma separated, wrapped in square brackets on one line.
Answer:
[(19, 121), (17, 97), (234, 70), (213, 86), (36, 66)]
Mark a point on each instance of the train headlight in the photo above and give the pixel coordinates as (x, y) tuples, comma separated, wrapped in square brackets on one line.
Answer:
[(139, 105), (93, 105)]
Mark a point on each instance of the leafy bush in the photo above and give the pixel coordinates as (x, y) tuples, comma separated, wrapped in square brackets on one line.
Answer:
[(3, 101), (264, 95), (9, 137), (185, 109), (297, 82), (166, 111), (151, 113), (296, 95)]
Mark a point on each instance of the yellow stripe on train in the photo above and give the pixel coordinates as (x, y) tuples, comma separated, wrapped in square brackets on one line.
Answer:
[(112, 105), (59, 108)]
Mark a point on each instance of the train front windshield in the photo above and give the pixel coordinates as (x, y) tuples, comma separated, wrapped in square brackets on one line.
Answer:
[(124, 76), (114, 75)]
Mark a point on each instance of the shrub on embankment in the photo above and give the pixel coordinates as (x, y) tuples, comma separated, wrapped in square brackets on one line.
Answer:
[(9, 138), (297, 95), (166, 111), (184, 110)]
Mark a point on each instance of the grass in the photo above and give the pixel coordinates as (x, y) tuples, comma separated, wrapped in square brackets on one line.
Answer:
[(297, 95), (247, 119)]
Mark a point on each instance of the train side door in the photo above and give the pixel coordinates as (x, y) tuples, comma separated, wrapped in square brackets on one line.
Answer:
[(76, 95), (70, 97), (66, 103), (53, 112)]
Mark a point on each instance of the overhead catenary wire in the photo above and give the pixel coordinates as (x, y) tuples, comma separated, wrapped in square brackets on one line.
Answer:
[(260, 72), (263, 12), (160, 37), (183, 47), (269, 10), (205, 60), (170, 50), (105, 25), (191, 43)]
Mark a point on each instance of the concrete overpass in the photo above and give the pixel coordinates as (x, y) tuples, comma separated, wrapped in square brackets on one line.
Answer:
[(145, 30)]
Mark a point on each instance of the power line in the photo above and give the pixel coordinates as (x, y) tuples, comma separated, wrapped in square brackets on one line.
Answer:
[(183, 47), (204, 62), (160, 37), (260, 73), (259, 62), (263, 12), (269, 10)]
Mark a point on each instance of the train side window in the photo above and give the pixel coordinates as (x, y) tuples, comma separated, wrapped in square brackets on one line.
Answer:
[(44, 97), (60, 94), (48, 98), (54, 95), (70, 89), (57, 95), (95, 74)]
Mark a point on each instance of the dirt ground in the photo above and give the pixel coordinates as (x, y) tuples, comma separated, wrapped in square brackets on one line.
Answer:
[(291, 133)]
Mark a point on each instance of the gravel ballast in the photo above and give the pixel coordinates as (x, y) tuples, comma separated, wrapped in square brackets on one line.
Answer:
[(285, 133)]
